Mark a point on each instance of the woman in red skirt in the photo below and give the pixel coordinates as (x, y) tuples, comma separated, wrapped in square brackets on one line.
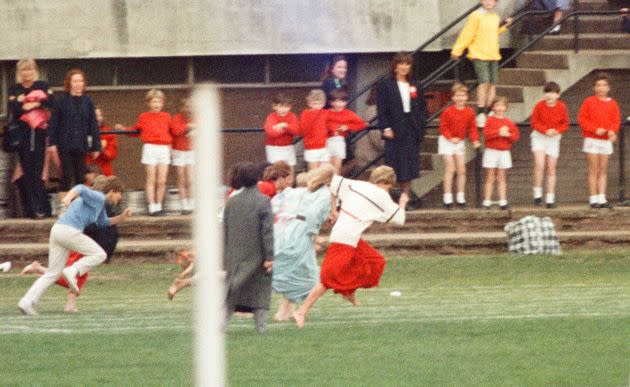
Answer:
[(350, 262)]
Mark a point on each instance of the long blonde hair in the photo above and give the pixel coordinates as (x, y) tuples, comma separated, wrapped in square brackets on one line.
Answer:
[(320, 176)]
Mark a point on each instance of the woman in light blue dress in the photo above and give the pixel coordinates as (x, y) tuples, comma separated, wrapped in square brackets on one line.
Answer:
[(298, 216)]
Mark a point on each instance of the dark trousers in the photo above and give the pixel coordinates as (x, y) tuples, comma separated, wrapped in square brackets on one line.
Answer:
[(32, 189), (73, 168)]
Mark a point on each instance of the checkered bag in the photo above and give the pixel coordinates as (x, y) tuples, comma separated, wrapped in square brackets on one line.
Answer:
[(532, 235)]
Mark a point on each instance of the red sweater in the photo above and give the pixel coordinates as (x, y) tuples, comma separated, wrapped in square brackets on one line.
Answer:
[(459, 123), (286, 136), (545, 117), (108, 154), (491, 133), (155, 128), (345, 117), (179, 131), (313, 128), (595, 113)]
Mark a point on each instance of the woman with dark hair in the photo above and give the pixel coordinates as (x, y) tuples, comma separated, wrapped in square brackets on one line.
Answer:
[(402, 113), (248, 246), (73, 129), (335, 76), (29, 102)]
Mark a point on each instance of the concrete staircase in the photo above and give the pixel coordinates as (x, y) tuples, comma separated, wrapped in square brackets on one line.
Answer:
[(602, 46), (427, 232)]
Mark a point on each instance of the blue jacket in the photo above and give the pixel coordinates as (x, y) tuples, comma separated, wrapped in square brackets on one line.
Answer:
[(72, 122), (88, 208)]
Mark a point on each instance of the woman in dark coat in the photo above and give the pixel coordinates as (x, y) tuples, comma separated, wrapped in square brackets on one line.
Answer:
[(32, 150), (402, 113), (248, 239), (73, 130), (335, 76)]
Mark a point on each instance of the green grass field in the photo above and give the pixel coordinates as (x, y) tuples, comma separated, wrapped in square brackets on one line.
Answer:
[(483, 320)]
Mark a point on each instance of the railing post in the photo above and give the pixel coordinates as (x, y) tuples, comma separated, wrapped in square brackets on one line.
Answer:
[(576, 27), (622, 162)]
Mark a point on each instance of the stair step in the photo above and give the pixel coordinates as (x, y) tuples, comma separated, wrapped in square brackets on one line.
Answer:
[(605, 24), (513, 93), (485, 242), (522, 77), (594, 5), (586, 42), (542, 60)]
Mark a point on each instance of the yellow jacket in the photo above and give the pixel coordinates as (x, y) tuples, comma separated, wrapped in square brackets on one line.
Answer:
[(480, 36)]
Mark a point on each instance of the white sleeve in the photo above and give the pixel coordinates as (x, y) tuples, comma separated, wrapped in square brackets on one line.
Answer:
[(392, 212), (339, 186)]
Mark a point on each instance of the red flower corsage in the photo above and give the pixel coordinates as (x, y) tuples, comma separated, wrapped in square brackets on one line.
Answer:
[(413, 92)]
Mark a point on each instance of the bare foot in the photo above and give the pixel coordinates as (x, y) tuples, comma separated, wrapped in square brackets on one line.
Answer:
[(33, 268), (171, 292), (279, 317), (70, 309), (352, 298), (300, 319)]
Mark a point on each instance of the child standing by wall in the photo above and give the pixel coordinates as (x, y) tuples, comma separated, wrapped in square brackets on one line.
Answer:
[(155, 133), (339, 122), (600, 118), (109, 147), (456, 123), (499, 133), (481, 37), (550, 118), (280, 127), (183, 156), (313, 129)]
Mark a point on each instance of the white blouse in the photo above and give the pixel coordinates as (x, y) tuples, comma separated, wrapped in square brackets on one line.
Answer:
[(405, 95)]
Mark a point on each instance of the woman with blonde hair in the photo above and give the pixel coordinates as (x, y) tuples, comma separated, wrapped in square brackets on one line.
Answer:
[(296, 226), (30, 97)]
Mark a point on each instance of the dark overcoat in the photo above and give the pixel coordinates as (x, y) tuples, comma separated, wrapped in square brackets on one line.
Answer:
[(403, 151), (248, 241)]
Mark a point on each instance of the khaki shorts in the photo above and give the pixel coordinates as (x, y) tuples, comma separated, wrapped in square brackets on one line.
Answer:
[(487, 71)]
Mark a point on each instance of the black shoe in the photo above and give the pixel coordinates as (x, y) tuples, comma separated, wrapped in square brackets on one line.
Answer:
[(595, 206), (487, 208), (505, 207), (462, 206), (538, 202), (448, 206), (606, 205), (186, 212), (551, 205)]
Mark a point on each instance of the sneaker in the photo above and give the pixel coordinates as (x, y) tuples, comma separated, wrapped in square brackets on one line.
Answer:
[(462, 205), (538, 202), (448, 206), (551, 205), (595, 206), (505, 207), (605, 205), (481, 120), (70, 275), (555, 30), (6, 266), (26, 307)]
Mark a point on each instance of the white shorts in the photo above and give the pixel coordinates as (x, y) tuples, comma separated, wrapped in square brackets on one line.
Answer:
[(320, 155), (153, 154), (336, 146), (447, 147), (548, 144), (597, 147), (494, 158), (182, 158), (280, 153)]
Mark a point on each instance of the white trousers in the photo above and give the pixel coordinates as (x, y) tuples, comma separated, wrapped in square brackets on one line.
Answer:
[(63, 240)]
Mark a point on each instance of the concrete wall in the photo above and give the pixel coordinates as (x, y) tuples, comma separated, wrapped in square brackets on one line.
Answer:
[(136, 28)]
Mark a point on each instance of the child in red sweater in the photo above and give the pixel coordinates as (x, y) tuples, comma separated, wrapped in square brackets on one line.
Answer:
[(600, 118), (183, 158), (280, 127), (499, 133), (456, 123), (313, 129), (155, 133), (550, 118), (339, 122), (109, 147)]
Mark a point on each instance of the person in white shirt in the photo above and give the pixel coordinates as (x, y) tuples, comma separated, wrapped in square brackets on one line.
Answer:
[(350, 262)]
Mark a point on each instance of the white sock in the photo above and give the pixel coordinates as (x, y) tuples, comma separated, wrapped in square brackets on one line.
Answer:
[(184, 204), (158, 206), (486, 203), (448, 198), (461, 199), (152, 208), (191, 204), (538, 192), (593, 199), (601, 198), (503, 202), (551, 197)]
